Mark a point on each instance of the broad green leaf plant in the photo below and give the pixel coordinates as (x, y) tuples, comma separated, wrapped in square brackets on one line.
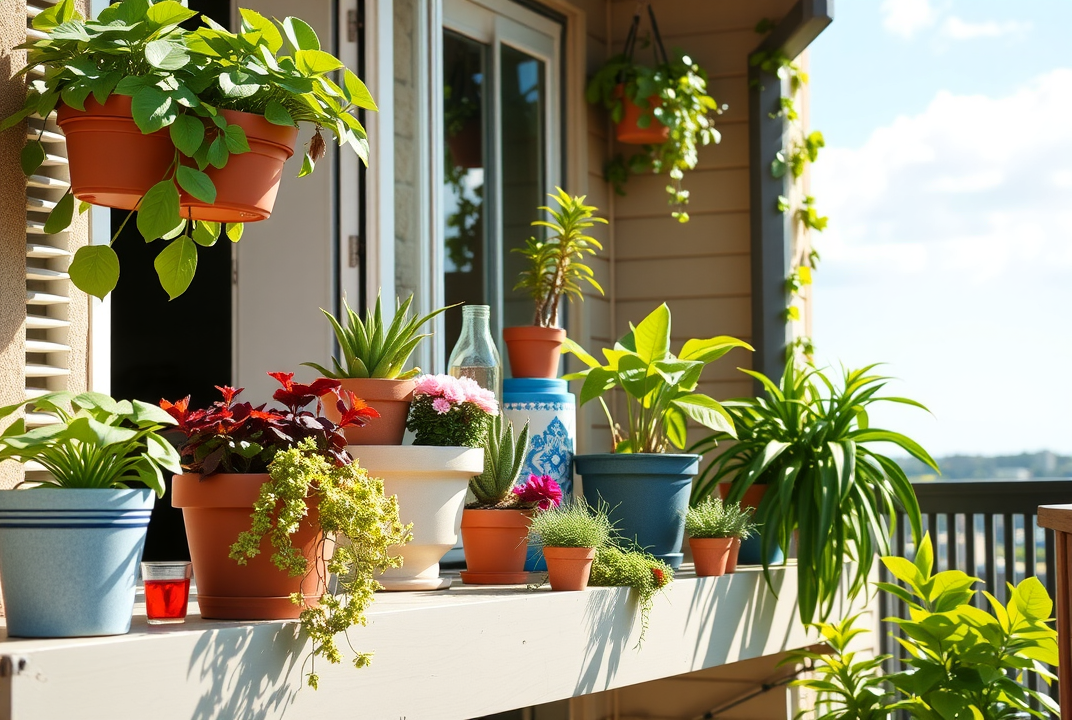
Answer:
[(556, 264), (179, 81), (810, 442), (373, 349), (98, 442), (659, 386)]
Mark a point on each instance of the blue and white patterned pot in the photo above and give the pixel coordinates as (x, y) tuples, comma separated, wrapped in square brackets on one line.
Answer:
[(69, 559), (551, 412)]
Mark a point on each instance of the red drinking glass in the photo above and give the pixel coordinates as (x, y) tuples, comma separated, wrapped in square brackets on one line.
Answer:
[(167, 591)]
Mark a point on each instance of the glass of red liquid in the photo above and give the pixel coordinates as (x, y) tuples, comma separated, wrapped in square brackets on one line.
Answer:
[(167, 591)]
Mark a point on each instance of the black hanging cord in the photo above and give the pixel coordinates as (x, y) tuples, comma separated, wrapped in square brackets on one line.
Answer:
[(658, 38), (658, 49)]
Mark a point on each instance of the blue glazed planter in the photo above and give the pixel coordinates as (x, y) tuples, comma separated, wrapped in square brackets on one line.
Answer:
[(69, 559), (647, 495), (751, 552)]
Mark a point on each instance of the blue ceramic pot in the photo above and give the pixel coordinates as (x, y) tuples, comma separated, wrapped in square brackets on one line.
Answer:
[(751, 552), (646, 493), (69, 559)]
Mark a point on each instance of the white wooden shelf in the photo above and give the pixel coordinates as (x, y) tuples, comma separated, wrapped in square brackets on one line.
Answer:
[(458, 653)]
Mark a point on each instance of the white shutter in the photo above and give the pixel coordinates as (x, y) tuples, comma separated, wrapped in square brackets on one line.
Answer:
[(47, 256)]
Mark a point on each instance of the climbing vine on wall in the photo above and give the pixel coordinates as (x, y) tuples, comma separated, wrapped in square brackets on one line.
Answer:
[(800, 149)]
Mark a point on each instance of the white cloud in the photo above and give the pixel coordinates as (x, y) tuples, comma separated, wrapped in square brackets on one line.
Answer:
[(907, 17), (949, 254), (957, 29)]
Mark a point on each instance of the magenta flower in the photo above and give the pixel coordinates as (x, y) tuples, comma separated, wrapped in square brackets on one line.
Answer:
[(540, 490), (441, 405)]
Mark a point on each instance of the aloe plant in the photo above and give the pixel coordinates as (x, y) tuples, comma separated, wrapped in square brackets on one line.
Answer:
[(369, 350), (503, 457)]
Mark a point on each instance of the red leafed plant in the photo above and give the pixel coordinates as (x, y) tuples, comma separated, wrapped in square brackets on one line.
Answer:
[(236, 437)]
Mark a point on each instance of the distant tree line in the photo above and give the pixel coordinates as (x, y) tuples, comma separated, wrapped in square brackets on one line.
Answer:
[(979, 467)]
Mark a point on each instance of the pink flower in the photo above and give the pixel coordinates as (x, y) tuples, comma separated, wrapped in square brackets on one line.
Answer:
[(486, 403), (441, 405), (454, 392), (542, 490), (430, 385)]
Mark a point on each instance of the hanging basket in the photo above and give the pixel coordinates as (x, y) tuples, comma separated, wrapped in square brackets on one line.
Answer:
[(628, 129)]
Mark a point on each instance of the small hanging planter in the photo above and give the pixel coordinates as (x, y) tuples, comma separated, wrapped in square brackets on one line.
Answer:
[(638, 125)]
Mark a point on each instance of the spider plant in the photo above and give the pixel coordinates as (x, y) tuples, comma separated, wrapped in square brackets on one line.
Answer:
[(810, 442)]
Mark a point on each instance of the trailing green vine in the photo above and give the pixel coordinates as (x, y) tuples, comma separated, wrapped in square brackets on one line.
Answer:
[(800, 150), (644, 573)]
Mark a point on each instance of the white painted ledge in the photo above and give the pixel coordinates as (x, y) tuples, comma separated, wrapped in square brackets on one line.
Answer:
[(459, 653)]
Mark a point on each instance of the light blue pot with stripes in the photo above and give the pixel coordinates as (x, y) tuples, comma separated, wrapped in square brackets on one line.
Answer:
[(69, 559)]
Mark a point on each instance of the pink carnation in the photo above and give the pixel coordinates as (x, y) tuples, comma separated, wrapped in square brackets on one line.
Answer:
[(455, 391), (441, 405), (542, 490)]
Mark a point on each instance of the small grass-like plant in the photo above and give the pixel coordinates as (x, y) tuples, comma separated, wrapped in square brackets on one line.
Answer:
[(571, 525), (641, 571), (713, 518), (503, 457)]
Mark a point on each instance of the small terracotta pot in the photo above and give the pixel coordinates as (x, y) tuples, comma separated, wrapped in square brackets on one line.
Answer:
[(711, 555), (113, 164), (568, 568), (735, 551), (629, 132), (534, 351), (390, 398), (216, 509), (495, 544), (467, 145)]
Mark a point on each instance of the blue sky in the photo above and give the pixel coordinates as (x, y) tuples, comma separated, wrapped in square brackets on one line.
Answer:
[(948, 182)]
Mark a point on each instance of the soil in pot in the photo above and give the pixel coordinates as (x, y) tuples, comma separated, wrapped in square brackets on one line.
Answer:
[(495, 543), (711, 555), (390, 398), (629, 131), (534, 351), (216, 509), (569, 568)]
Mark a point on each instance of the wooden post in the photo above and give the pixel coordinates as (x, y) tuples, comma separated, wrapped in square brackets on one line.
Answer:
[(1059, 519)]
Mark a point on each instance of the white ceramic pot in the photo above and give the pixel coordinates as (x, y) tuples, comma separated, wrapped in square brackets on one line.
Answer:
[(430, 483)]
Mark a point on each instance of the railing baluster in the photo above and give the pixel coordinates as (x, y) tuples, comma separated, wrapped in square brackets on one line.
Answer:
[(1010, 553), (952, 538), (990, 569)]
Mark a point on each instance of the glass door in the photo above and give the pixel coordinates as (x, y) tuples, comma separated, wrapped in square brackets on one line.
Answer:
[(501, 138)]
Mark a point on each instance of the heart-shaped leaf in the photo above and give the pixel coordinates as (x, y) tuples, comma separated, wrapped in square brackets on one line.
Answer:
[(94, 269), (158, 211), (300, 35), (235, 137), (187, 134), (176, 265), (276, 114), (60, 217), (152, 109), (206, 233), (196, 183), (33, 154), (165, 54)]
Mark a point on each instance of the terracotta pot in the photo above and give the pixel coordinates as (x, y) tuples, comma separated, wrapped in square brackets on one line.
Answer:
[(753, 496), (495, 543), (628, 130), (735, 551), (534, 351), (215, 510), (750, 551), (568, 568), (467, 145), (711, 555), (113, 164), (430, 484), (391, 398)]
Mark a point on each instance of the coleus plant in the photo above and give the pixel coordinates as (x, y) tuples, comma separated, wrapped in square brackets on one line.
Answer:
[(179, 80), (236, 437)]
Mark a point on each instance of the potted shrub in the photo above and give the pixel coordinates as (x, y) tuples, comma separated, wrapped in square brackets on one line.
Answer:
[(495, 524), (373, 357), (556, 269), (189, 127), (666, 109), (715, 532), (647, 488), (450, 417), (569, 535), (70, 547), (227, 456), (809, 446)]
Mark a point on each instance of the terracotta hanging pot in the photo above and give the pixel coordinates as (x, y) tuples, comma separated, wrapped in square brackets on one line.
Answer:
[(569, 568), (216, 509), (534, 351), (390, 398), (113, 164), (711, 555), (630, 132), (495, 543)]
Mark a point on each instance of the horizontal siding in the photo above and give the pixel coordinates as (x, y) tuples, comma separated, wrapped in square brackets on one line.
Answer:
[(694, 318), (716, 234), (720, 276), (710, 191)]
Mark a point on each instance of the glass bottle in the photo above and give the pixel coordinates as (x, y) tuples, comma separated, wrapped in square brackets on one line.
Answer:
[(475, 355)]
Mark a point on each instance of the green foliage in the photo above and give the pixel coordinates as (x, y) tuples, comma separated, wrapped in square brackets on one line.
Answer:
[(556, 264), (845, 688), (503, 458), (97, 443), (684, 107), (711, 518), (352, 507), (810, 442), (644, 573), (181, 80), (659, 386), (572, 524), (371, 349)]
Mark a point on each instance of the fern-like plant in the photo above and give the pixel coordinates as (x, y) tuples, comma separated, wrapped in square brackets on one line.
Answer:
[(714, 519), (571, 525), (503, 457), (370, 348), (556, 265)]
